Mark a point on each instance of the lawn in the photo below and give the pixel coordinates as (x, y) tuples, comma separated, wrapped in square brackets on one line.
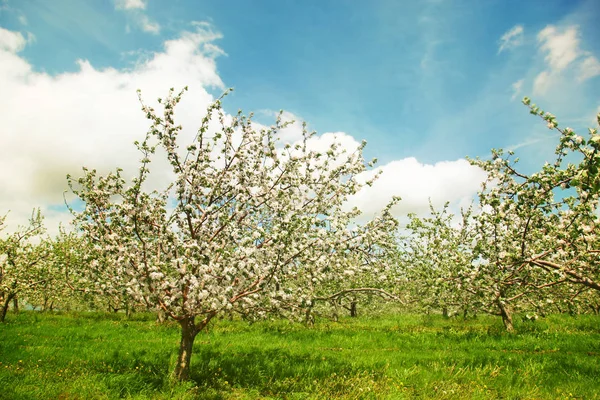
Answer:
[(106, 356)]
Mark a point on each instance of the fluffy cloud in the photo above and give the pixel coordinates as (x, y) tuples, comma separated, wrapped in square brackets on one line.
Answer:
[(135, 9), (511, 39), (561, 47), (12, 42), (130, 4), (564, 58), (55, 124), (454, 181)]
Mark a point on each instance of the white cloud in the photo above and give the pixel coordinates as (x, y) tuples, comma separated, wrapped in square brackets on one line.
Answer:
[(55, 124), (542, 83), (135, 9), (562, 47), (292, 132), (511, 39), (516, 88), (130, 4), (147, 25), (588, 68), (566, 63), (10, 41), (454, 181)]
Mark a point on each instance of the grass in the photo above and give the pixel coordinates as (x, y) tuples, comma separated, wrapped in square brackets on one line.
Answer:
[(100, 356)]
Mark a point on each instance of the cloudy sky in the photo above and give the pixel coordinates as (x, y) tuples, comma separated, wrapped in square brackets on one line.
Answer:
[(426, 83)]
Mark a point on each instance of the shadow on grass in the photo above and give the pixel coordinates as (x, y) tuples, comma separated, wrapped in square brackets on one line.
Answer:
[(276, 371)]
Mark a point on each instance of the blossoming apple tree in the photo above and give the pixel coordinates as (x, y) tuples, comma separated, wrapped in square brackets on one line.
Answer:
[(557, 207), (438, 260), (540, 229), (24, 263), (533, 242), (248, 224)]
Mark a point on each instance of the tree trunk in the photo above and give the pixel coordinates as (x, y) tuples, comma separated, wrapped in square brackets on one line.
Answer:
[(308, 318), (353, 312), (506, 316), (334, 307), (16, 305), (9, 297), (445, 313), (161, 316), (188, 334)]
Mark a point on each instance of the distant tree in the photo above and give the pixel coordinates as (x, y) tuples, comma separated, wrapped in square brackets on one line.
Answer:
[(439, 261), (24, 261)]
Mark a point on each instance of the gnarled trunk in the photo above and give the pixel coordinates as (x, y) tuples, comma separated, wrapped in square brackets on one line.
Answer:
[(16, 305), (5, 306), (506, 315), (188, 334), (309, 320), (353, 310)]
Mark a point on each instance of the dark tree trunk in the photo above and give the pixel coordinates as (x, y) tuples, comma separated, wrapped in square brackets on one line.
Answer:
[(445, 313), (188, 334), (506, 315), (16, 305), (353, 311), (308, 318), (9, 297)]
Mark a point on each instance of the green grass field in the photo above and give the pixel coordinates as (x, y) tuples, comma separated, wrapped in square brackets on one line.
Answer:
[(100, 356)]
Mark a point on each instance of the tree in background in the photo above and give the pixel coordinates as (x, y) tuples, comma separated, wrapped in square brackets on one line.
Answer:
[(24, 264), (439, 261)]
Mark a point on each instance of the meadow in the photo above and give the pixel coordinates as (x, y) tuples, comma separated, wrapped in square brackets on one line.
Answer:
[(391, 356)]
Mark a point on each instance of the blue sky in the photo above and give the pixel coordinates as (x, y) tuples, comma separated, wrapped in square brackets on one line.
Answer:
[(430, 80)]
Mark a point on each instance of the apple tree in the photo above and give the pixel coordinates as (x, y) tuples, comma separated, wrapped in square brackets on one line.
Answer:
[(248, 224), (550, 218), (24, 261)]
